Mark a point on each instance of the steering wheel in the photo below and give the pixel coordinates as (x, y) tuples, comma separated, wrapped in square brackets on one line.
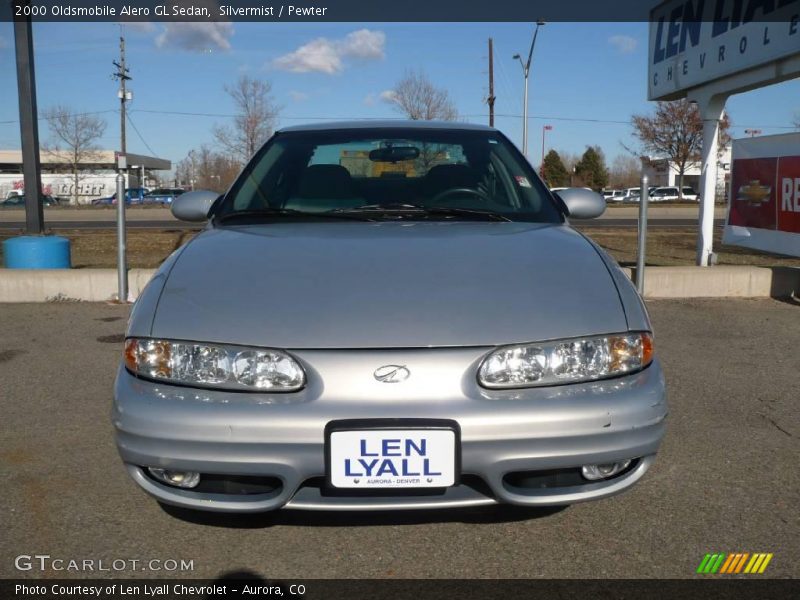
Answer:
[(460, 190)]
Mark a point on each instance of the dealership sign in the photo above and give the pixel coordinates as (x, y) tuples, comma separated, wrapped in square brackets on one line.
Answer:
[(693, 42), (764, 205)]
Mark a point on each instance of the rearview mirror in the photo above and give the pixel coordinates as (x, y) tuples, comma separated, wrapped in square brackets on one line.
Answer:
[(394, 154), (582, 203), (193, 206)]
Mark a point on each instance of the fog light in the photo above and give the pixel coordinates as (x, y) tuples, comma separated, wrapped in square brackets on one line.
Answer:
[(182, 479), (595, 472)]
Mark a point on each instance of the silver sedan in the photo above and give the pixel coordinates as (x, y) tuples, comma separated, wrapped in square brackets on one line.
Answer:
[(388, 316)]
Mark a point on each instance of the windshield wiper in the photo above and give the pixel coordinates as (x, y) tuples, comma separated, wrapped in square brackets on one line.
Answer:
[(291, 212), (428, 210)]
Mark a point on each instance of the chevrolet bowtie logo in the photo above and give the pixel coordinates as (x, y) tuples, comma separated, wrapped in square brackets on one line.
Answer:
[(754, 192)]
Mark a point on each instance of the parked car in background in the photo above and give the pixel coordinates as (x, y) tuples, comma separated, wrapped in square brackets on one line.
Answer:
[(664, 194), (162, 195), (631, 195), (340, 339), (614, 195), (18, 201), (132, 196), (671, 194)]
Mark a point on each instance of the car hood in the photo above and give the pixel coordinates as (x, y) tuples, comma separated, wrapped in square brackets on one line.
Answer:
[(387, 285)]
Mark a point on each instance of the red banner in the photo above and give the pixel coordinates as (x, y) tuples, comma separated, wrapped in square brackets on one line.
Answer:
[(764, 211)]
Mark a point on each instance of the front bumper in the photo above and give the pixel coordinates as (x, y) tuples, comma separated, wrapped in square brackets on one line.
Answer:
[(282, 435)]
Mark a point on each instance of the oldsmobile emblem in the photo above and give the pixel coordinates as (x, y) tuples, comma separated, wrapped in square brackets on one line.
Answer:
[(391, 373)]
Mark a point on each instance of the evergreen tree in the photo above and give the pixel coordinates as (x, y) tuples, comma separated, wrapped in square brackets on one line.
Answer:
[(554, 172), (591, 169)]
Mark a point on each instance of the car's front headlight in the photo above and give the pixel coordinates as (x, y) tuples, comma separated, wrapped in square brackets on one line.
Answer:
[(566, 361), (214, 365)]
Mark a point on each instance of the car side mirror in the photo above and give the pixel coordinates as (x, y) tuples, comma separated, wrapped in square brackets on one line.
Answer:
[(582, 203), (193, 206)]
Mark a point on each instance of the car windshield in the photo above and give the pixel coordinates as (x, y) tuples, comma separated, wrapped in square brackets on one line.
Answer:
[(398, 173)]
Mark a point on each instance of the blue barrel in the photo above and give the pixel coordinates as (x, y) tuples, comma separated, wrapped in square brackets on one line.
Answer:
[(36, 252)]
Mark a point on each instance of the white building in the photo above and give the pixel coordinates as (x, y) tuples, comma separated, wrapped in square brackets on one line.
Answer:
[(97, 177), (662, 172)]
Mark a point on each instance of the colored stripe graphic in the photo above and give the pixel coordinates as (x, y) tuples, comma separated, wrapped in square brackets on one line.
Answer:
[(718, 563), (752, 563), (727, 564), (741, 562), (703, 563), (722, 563), (711, 563), (765, 563)]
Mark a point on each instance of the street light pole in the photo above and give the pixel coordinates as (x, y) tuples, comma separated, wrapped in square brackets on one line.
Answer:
[(526, 69), (544, 129)]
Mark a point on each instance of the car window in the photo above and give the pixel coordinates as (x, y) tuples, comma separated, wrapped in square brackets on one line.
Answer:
[(322, 171)]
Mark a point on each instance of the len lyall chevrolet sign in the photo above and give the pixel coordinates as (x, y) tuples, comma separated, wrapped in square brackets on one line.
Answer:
[(693, 42)]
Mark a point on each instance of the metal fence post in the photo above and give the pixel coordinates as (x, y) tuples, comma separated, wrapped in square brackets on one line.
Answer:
[(640, 253), (122, 267)]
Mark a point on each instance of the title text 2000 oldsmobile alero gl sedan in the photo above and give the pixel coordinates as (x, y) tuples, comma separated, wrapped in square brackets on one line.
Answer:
[(388, 316)]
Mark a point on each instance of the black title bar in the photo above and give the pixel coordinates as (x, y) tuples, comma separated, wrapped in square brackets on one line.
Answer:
[(387, 10)]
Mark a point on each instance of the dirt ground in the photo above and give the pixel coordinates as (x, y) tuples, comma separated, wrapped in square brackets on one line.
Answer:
[(665, 247)]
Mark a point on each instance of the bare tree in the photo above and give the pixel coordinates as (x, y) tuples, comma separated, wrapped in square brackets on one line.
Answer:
[(205, 169), (675, 132), (796, 121), (625, 172), (419, 99), (74, 141), (256, 113), (570, 160)]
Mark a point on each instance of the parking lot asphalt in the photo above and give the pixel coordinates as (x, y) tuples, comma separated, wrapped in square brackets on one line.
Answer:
[(726, 479)]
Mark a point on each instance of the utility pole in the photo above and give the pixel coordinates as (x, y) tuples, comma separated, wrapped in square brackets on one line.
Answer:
[(122, 76), (122, 164), (490, 100)]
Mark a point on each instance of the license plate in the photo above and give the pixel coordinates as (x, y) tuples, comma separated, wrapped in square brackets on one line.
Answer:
[(392, 458)]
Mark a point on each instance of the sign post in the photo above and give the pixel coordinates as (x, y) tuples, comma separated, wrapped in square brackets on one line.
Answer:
[(711, 113), (644, 198), (122, 266), (29, 126)]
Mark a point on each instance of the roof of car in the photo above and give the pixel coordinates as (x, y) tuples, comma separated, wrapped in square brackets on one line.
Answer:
[(387, 124)]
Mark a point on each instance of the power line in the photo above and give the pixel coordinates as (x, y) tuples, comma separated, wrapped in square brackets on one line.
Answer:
[(349, 118), (136, 129), (470, 116), (80, 114), (550, 118), (177, 112), (303, 118)]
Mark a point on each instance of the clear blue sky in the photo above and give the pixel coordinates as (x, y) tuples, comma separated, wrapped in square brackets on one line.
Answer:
[(593, 71)]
